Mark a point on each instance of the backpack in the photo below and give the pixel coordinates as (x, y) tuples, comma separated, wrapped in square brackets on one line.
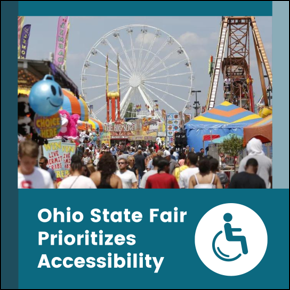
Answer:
[(223, 178)]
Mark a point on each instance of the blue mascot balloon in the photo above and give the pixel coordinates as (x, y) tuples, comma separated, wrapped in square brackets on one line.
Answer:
[(46, 97)]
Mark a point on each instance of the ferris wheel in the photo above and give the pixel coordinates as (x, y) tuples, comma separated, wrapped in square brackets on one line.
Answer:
[(155, 71)]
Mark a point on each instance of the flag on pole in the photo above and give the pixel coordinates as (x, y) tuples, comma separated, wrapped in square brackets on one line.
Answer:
[(62, 29), (20, 24), (24, 40)]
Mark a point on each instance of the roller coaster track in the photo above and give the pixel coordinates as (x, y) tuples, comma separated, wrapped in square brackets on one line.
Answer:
[(261, 59), (261, 56), (217, 67)]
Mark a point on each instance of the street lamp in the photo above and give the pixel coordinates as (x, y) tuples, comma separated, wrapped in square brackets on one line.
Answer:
[(196, 104)]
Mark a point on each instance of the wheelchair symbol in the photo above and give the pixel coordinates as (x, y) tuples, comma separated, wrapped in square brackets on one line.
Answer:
[(231, 238)]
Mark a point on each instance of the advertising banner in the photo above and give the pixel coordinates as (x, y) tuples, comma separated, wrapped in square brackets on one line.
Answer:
[(172, 126), (20, 24), (24, 40), (47, 127), (66, 48), (106, 138), (59, 156), (62, 29)]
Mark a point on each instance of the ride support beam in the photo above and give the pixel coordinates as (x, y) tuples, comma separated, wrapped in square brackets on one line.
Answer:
[(118, 107), (108, 109), (261, 73), (113, 106)]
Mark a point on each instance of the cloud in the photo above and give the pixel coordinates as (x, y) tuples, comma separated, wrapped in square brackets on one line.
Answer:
[(214, 36), (197, 53), (76, 57), (148, 38), (191, 38)]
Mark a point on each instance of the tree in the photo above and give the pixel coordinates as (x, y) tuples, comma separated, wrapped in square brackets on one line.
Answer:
[(129, 110), (232, 146)]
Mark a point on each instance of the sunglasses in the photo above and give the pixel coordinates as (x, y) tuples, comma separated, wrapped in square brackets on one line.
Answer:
[(121, 163)]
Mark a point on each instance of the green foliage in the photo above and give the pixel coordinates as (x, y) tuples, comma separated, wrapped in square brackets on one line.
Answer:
[(232, 146), (130, 110)]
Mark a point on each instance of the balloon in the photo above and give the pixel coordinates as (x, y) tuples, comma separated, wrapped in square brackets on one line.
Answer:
[(46, 97)]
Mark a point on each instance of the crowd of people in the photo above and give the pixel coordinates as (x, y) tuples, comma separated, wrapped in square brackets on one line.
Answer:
[(133, 167)]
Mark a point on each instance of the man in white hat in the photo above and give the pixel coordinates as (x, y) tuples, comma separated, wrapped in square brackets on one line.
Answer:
[(255, 150), (172, 163)]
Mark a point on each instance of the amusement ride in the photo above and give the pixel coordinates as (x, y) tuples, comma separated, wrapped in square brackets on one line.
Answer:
[(145, 64), (152, 70), (233, 62)]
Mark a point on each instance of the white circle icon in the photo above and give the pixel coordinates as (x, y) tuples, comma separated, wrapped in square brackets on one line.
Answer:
[(231, 239)]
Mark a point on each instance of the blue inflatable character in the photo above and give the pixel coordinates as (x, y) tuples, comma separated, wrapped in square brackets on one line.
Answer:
[(46, 97), (94, 138)]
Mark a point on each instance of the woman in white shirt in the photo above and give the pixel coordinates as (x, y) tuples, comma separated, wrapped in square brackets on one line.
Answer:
[(205, 178), (76, 179)]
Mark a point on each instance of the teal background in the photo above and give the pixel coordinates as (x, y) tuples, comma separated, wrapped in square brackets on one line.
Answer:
[(181, 267), (146, 8), (9, 192), (274, 204)]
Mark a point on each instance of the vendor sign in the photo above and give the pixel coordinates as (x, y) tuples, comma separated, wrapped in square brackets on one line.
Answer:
[(106, 138), (47, 127), (59, 156), (123, 127)]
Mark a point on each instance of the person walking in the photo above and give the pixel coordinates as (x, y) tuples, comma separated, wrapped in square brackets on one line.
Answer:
[(151, 172), (105, 176), (76, 179), (128, 178), (43, 165), (30, 176), (150, 165), (205, 178), (179, 168), (255, 150), (248, 178), (162, 179), (190, 171), (214, 167), (131, 165), (172, 163), (140, 164)]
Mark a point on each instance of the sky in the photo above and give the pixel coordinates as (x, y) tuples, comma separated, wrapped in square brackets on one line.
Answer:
[(198, 37)]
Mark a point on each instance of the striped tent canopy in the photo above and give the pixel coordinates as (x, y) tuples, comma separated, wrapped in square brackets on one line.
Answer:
[(221, 120), (75, 106), (96, 125), (84, 110), (261, 130), (71, 103), (84, 126)]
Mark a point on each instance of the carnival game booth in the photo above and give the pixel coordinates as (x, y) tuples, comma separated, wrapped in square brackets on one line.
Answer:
[(32, 71), (97, 126), (222, 120)]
